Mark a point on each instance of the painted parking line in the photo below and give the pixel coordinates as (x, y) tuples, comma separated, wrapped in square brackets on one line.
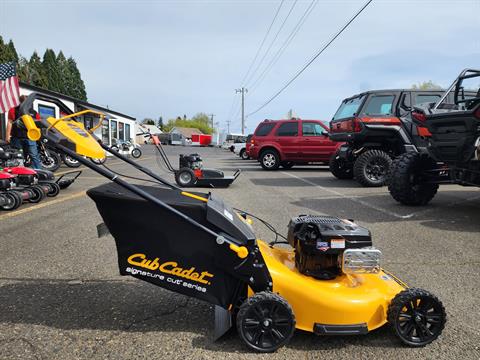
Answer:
[(351, 198), (43, 204)]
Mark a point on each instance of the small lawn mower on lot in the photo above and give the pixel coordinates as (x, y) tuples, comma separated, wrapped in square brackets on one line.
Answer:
[(191, 171), (452, 155), (330, 282)]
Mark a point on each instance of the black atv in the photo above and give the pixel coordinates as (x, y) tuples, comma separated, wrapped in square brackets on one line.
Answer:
[(453, 152), (374, 132)]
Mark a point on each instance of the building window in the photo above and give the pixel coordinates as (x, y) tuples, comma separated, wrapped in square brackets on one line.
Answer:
[(121, 131), (46, 111), (88, 122), (105, 131), (127, 132), (113, 129)]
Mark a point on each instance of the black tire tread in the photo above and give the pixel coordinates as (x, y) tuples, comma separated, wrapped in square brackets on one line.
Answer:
[(259, 297), (402, 297), (399, 185), (361, 162), (339, 173)]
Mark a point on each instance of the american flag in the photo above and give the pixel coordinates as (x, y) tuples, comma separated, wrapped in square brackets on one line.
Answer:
[(9, 91)]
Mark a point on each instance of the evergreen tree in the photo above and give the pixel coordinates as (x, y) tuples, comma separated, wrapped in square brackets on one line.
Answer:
[(2, 50), (38, 75), (66, 83), (23, 70), (12, 51), (160, 123), (76, 84), (51, 69)]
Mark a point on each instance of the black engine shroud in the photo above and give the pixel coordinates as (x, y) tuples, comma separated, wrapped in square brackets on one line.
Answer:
[(320, 241)]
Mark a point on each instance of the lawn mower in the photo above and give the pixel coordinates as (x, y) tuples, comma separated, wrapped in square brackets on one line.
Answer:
[(452, 155), (9, 198), (329, 282), (191, 171)]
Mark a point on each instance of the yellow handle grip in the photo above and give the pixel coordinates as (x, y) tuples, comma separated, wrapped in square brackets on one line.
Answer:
[(241, 251), (33, 132)]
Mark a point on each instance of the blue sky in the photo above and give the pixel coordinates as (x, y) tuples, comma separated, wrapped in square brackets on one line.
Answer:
[(169, 58)]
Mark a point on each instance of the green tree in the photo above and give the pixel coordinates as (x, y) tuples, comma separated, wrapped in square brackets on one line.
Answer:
[(23, 70), (52, 72), (148, 121), (65, 84), (38, 76), (426, 85), (160, 123), (76, 85), (12, 51), (200, 121)]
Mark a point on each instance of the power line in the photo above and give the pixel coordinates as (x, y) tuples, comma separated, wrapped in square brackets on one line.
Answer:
[(313, 59), (285, 44), (272, 42), (263, 41)]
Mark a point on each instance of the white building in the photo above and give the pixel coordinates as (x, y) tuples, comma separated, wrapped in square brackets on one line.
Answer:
[(117, 126)]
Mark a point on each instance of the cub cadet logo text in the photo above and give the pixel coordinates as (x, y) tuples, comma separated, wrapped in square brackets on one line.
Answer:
[(169, 267)]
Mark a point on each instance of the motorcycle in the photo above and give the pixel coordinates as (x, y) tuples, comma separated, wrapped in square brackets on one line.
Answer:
[(127, 147), (50, 159)]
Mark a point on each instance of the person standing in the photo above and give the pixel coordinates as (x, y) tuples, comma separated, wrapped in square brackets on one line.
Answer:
[(17, 136)]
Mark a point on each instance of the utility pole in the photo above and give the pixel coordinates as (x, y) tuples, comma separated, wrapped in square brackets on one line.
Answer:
[(228, 126), (243, 91), (211, 119)]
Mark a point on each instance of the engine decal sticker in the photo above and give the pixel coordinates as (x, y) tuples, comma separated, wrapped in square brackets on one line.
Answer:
[(337, 244)]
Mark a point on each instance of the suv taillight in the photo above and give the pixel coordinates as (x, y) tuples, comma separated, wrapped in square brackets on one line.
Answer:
[(356, 125), (419, 116)]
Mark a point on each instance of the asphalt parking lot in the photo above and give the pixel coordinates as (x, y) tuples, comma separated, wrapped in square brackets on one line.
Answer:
[(61, 296)]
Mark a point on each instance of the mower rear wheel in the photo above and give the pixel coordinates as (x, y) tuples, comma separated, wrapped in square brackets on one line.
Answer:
[(13, 201), (265, 322), (38, 194), (417, 317), (185, 177), (54, 189), (371, 169), (340, 167), (406, 183)]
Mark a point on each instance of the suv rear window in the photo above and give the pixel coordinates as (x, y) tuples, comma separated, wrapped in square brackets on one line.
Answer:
[(348, 108), (288, 129), (379, 105), (264, 129)]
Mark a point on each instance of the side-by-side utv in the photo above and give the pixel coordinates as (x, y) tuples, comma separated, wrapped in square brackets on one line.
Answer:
[(328, 281), (452, 155)]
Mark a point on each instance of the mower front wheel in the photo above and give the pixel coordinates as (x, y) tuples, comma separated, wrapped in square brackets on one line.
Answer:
[(265, 322), (54, 189), (185, 177), (417, 317), (13, 201), (38, 194)]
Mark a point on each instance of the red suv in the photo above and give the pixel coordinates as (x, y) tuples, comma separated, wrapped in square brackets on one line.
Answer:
[(287, 142)]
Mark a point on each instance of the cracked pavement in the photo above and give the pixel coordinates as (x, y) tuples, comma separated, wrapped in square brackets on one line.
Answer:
[(61, 296)]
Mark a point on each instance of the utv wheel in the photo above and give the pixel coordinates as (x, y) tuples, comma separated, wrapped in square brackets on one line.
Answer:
[(407, 184), (244, 155), (287, 164), (185, 177), (13, 201), (340, 167), (38, 194), (70, 162), (372, 168), (136, 153), (417, 317), (265, 322), (54, 189), (270, 160)]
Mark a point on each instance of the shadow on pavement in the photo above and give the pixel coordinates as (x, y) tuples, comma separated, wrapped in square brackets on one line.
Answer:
[(446, 211), (132, 306)]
